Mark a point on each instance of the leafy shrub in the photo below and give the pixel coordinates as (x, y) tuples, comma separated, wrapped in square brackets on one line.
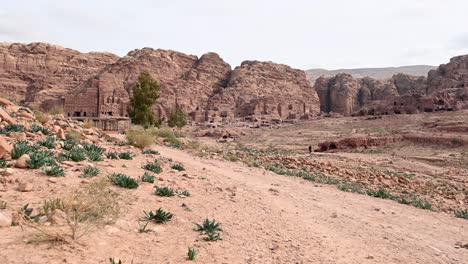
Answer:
[(54, 171), (145, 93), (139, 137), (75, 154), (90, 171), (462, 214), (68, 144), (14, 128), (164, 191), (94, 156), (19, 149), (150, 151), (126, 155), (49, 143), (112, 155), (153, 166), (35, 128), (39, 159), (192, 253), (160, 216), (147, 178), (177, 118), (380, 193), (168, 136), (421, 204), (123, 180), (92, 148), (178, 167)]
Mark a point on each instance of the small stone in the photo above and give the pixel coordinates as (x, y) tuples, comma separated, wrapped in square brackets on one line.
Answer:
[(22, 162), (25, 187), (5, 219)]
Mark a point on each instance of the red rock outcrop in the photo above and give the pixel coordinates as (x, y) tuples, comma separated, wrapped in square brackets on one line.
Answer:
[(39, 74)]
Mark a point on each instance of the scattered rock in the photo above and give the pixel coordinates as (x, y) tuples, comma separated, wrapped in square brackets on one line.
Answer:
[(5, 218), (22, 162), (25, 187)]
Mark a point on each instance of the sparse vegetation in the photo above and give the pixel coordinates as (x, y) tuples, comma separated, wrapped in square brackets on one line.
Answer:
[(140, 137), (35, 128), (39, 159), (4, 163), (88, 123), (159, 217), (49, 143), (12, 128), (3, 205), (113, 261), (91, 205), (462, 214), (153, 166), (169, 137), (50, 205), (192, 253), (164, 191), (54, 171), (112, 155), (146, 177), (126, 155), (74, 135), (142, 227), (150, 151), (90, 171), (211, 228), (185, 193), (41, 117), (56, 110), (76, 154), (19, 149), (123, 181), (178, 167)]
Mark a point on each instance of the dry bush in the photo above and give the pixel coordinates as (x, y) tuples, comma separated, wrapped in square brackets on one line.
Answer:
[(89, 206), (56, 110), (75, 135), (140, 137), (88, 123), (41, 117)]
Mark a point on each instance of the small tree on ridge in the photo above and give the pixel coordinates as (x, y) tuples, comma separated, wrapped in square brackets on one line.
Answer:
[(145, 93)]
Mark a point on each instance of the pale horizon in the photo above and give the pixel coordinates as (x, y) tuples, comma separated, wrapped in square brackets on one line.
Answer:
[(328, 35)]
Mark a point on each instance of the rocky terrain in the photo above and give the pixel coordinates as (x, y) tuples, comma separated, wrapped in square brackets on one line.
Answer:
[(42, 75), (374, 73), (68, 193), (444, 89)]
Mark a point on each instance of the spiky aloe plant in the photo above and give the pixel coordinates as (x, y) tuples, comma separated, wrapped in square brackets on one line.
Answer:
[(4, 163), (126, 155), (92, 148), (208, 226), (90, 171), (14, 128), (160, 216), (54, 171), (153, 166), (112, 155), (49, 143), (123, 181), (185, 193), (192, 253), (69, 144), (146, 177), (76, 154), (94, 156), (19, 149), (164, 191), (215, 236), (462, 214), (150, 151), (40, 158), (142, 227), (178, 167), (113, 261)]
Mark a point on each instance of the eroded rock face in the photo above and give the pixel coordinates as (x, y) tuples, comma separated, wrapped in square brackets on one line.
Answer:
[(39, 74), (451, 75), (206, 88)]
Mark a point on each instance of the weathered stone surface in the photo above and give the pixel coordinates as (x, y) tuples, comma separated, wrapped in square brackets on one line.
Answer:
[(22, 162), (4, 116), (5, 148), (5, 219), (204, 87), (25, 187), (39, 74)]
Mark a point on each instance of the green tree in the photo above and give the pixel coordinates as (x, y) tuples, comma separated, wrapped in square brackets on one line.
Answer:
[(177, 118), (145, 93)]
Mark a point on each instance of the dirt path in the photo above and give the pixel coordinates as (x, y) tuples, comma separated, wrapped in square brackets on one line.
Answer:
[(308, 223), (266, 218)]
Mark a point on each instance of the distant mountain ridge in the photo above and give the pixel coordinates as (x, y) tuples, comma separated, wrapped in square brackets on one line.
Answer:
[(376, 73)]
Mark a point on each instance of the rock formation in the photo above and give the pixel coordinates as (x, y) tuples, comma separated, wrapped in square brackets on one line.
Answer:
[(206, 88), (39, 74), (445, 89)]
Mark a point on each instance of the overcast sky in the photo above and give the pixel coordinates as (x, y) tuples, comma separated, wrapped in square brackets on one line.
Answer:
[(305, 34)]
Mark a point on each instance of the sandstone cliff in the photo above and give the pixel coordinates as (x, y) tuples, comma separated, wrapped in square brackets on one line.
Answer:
[(38, 74)]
